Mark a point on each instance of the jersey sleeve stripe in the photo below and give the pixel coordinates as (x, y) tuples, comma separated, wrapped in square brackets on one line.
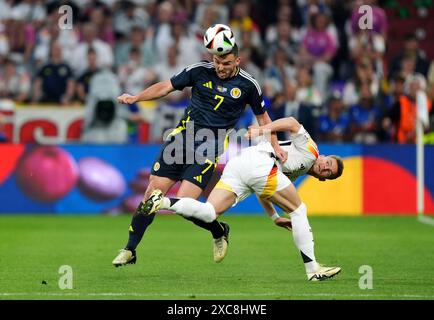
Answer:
[(199, 64), (312, 147), (249, 77)]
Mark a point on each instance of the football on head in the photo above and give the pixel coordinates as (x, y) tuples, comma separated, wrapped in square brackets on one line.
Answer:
[(219, 39)]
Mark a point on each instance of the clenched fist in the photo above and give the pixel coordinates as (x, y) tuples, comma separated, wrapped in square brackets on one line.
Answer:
[(127, 98)]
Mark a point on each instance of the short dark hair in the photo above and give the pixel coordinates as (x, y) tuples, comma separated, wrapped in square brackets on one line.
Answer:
[(234, 51), (340, 170), (410, 36), (91, 50), (134, 51)]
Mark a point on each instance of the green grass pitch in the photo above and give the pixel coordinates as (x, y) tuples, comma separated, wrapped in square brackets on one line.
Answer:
[(175, 259)]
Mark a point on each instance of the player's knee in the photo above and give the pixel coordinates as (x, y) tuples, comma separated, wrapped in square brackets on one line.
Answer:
[(156, 182)]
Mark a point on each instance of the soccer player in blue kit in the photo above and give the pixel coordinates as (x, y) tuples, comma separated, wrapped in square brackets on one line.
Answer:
[(220, 92)]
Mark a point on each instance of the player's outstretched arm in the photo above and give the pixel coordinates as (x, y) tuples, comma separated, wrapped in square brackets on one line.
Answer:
[(272, 213), (285, 124), (156, 91)]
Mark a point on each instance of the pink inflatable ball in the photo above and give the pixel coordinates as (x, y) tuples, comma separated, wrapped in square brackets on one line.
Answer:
[(99, 180), (139, 185), (131, 203), (115, 211), (144, 173), (140, 181), (46, 173)]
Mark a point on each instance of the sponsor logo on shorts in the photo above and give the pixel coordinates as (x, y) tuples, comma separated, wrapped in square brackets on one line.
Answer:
[(156, 166)]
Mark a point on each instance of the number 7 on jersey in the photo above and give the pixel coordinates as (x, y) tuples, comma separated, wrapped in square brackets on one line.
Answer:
[(220, 98)]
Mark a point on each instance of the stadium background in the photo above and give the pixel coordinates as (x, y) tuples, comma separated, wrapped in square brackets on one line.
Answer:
[(344, 84)]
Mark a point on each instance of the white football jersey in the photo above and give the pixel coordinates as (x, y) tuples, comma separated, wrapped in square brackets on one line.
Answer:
[(302, 153)]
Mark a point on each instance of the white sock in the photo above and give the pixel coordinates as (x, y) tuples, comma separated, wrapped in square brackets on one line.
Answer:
[(303, 237), (188, 207)]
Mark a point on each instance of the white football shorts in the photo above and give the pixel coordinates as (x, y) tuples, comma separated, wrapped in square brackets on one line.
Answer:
[(252, 171)]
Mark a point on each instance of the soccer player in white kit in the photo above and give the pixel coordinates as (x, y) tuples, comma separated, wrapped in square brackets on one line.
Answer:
[(256, 170)]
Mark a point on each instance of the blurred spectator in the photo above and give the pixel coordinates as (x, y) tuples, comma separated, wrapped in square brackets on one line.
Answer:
[(4, 42), (24, 18), (247, 65), (211, 12), (82, 85), (5, 9), (15, 25), (364, 74), (367, 45), (241, 21), (208, 16), (401, 119), (142, 42), (133, 76), (309, 100), (167, 69), (291, 104), (163, 29), (312, 7), (103, 50), (188, 48), (279, 70), (430, 80), (395, 91), (257, 53), (318, 48), (284, 15), (379, 18), (50, 32), (333, 126), (286, 39), (128, 16), (100, 16), (408, 65), (318, 44), (14, 83), (54, 82), (389, 100), (411, 49), (364, 118), (306, 92)]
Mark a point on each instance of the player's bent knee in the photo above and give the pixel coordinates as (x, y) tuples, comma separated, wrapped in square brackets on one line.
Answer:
[(161, 183)]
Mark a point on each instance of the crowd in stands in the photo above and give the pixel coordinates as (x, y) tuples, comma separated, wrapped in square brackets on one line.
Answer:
[(311, 57)]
